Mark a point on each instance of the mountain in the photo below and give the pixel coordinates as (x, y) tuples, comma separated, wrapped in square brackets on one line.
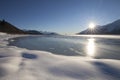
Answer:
[(33, 32), (40, 32), (111, 28), (6, 27), (9, 28), (49, 33)]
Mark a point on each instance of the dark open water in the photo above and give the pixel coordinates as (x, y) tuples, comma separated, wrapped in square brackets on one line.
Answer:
[(107, 47)]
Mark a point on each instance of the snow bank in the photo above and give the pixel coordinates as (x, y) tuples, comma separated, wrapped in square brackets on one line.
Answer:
[(22, 64), (1, 33)]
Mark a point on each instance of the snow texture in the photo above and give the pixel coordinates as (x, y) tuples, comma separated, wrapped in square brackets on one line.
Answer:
[(22, 64)]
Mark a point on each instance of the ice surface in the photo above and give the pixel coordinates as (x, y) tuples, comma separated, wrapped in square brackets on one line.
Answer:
[(22, 64)]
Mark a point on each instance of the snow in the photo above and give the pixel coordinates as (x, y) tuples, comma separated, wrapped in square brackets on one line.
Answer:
[(22, 64)]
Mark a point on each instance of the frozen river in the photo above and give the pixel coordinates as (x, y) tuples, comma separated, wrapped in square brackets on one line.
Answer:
[(97, 46)]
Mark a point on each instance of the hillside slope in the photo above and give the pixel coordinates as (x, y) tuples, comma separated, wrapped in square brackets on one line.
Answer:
[(9, 28)]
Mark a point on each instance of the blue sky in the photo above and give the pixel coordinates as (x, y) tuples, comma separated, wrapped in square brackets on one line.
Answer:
[(62, 16)]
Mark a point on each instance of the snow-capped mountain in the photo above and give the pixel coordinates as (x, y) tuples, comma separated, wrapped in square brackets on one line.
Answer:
[(111, 28)]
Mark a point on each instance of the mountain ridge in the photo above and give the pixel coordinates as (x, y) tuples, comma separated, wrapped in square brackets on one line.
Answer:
[(111, 28), (7, 27)]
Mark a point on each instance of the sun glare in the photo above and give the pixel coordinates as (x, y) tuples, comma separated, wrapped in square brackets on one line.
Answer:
[(91, 47), (91, 25)]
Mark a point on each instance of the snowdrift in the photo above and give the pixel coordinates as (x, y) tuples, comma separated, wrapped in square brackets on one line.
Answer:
[(22, 64)]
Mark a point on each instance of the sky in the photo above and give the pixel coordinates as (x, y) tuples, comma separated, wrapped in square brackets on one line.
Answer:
[(61, 16)]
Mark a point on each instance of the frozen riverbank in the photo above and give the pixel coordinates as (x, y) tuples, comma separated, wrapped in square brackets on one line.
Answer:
[(22, 64)]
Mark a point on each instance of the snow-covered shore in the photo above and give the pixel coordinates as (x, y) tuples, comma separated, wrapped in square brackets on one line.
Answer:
[(22, 64)]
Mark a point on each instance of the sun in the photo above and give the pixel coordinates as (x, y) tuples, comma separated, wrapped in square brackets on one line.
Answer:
[(92, 25)]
